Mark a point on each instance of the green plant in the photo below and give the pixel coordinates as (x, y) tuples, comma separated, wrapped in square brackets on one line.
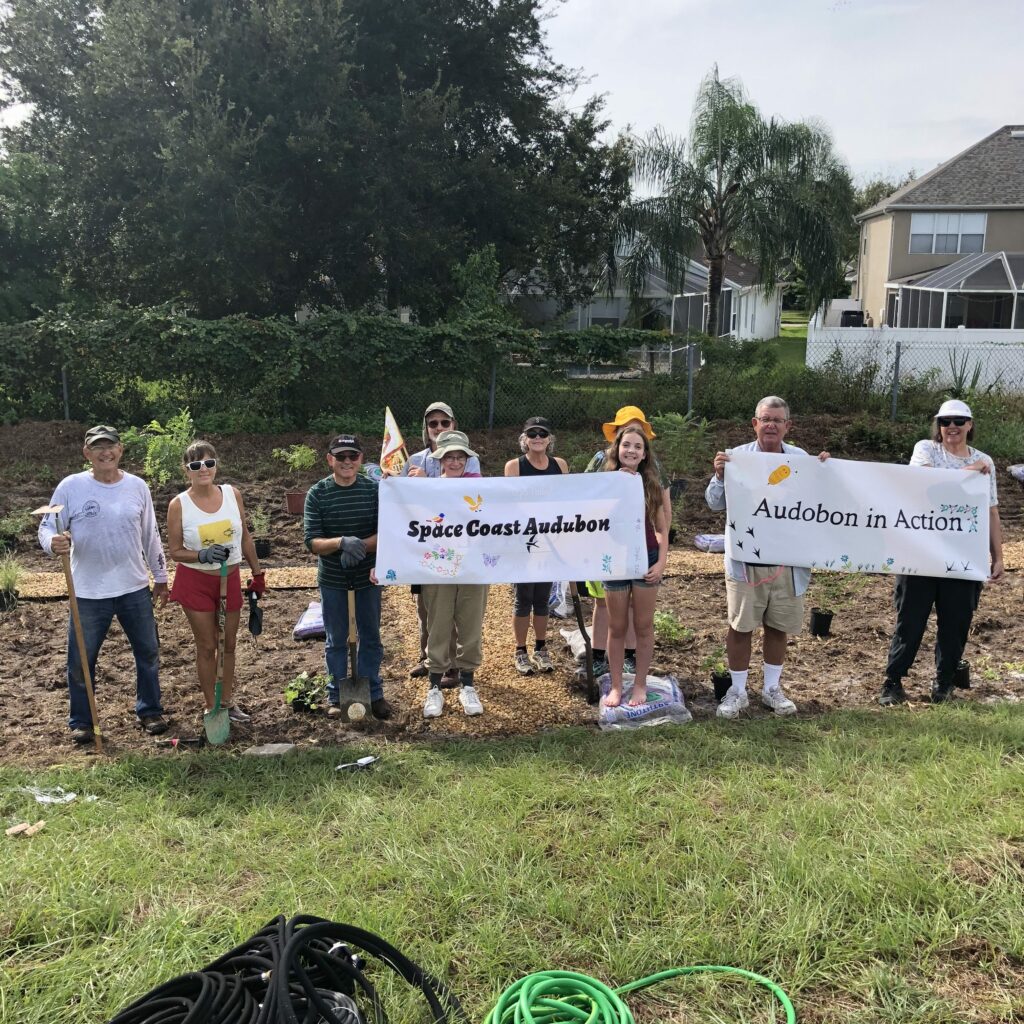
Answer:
[(965, 378), (834, 590), (684, 444), (10, 573), (12, 524), (298, 457), (259, 521), (714, 663), (307, 689), (669, 629), (160, 447)]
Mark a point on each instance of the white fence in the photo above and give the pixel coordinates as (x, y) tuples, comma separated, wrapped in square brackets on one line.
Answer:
[(949, 355)]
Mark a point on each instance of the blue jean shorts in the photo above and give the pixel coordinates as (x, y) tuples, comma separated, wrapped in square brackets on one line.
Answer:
[(652, 557)]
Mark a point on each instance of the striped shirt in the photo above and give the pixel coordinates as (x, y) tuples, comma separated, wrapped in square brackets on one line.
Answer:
[(335, 511)]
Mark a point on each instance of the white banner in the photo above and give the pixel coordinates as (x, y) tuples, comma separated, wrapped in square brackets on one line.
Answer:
[(856, 516), (584, 526)]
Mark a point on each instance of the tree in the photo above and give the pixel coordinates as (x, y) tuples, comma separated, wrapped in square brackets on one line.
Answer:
[(28, 240), (875, 189), (770, 190), (256, 155)]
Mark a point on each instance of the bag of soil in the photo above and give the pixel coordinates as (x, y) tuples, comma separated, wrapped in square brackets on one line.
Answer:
[(665, 704), (311, 623)]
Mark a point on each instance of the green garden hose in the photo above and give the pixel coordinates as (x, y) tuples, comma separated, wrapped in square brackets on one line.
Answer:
[(565, 997)]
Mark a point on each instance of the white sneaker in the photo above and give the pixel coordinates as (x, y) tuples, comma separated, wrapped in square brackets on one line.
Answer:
[(434, 704), (778, 701), (470, 701), (732, 704)]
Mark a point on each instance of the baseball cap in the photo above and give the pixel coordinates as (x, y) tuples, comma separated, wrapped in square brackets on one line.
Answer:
[(538, 421), (102, 432), (344, 443), (953, 407)]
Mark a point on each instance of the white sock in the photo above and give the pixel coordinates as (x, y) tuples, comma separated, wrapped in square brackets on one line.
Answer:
[(739, 682), (772, 677)]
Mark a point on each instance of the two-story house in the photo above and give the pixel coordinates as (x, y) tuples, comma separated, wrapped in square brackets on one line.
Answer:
[(947, 250)]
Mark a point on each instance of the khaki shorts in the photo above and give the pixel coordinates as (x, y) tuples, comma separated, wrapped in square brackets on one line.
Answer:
[(768, 599)]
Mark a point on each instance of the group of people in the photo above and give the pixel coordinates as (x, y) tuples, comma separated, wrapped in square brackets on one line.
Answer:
[(109, 527)]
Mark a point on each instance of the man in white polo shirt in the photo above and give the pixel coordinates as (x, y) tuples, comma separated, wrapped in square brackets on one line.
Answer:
[(110, 529)]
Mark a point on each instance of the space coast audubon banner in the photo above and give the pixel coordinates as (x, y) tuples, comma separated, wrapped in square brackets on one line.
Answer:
[(511, 529), (856, 516)]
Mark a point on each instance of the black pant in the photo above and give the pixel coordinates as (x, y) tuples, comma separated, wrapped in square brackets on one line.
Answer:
[(954, 602)]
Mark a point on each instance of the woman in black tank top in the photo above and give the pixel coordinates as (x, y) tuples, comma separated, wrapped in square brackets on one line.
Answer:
[(536, 442)]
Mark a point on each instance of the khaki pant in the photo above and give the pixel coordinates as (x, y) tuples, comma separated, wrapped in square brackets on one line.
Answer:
[(461, 606), (421, 614)]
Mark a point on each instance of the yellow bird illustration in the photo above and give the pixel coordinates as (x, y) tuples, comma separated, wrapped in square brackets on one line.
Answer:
[(474, 506), (779, 474)]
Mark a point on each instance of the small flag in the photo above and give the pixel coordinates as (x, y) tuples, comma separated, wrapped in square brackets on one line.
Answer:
[(392, 454)]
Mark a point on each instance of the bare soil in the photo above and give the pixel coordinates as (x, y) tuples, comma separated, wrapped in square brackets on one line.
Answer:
[(821, 675)]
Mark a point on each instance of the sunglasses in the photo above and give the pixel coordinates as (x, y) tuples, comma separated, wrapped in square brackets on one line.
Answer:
[(537, 432), (953, 421), (434, 424), (348, 456), (455, 456), (194, 467)]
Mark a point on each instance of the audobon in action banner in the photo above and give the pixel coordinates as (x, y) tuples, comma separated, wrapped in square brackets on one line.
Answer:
[(856, 516), (583, 526)]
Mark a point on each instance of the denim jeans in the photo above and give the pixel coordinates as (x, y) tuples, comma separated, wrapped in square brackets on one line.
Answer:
[(369, 652), (135, 613)]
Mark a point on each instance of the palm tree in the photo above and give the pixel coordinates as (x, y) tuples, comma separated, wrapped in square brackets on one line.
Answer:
[(773, 191)]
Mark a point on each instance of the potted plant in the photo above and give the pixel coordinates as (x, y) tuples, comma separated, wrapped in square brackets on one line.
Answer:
[(10, 574), (833, 591), (299, 458), (714, 664), (259, 527), (306, 692)]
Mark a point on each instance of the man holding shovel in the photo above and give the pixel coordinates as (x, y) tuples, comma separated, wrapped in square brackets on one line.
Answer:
[(108, 525), (340, 527)]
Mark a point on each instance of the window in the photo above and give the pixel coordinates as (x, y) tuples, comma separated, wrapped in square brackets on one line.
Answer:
[(947, 232), (604, 321)]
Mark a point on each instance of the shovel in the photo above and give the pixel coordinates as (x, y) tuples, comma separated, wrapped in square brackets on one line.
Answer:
[(65, 561), (353, 692), (216, 722), (593, 695)]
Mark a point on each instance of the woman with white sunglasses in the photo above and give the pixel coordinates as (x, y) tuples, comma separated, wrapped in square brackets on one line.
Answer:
[(206, 527)]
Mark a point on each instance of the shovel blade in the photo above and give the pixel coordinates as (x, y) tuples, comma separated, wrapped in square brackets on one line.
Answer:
[(216, 723), (354, 700)]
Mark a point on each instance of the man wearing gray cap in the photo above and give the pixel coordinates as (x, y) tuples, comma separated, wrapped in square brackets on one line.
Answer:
[(109, 527), (340, 528)]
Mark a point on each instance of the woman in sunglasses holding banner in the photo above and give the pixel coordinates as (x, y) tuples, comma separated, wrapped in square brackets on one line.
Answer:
[(536, 442), (954, 600), (205, 527)]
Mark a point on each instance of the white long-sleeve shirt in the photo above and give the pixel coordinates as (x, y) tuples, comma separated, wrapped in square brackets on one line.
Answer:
[(115, 542)]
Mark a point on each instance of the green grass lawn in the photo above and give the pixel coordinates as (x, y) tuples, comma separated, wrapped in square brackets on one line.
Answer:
[(871, 863)]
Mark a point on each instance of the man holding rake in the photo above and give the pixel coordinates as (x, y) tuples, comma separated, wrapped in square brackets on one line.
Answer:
[(108, 526)]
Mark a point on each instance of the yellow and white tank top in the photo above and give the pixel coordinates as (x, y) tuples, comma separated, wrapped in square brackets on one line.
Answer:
[(201, 529)]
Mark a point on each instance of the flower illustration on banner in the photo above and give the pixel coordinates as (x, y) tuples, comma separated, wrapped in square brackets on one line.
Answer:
[(442, 561), (970, 511), (606, 563), (391, 576), (887, 565)]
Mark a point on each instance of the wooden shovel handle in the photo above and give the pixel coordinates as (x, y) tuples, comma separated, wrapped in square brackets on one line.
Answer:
[(65, 561)]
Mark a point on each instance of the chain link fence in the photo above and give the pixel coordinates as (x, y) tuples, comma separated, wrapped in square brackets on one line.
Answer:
[(909, 361)]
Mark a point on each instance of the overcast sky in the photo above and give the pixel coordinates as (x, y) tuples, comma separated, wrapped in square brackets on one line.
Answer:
[(902, 84)]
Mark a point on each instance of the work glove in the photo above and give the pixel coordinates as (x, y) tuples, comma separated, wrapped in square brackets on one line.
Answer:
[(258, 584), (214, 553), (349, 561), (353, 546)]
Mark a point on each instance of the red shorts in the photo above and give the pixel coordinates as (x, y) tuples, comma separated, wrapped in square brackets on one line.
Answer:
[(200, 591)]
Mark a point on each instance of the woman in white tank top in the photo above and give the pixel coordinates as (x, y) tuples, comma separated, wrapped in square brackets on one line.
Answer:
[(205, 527)]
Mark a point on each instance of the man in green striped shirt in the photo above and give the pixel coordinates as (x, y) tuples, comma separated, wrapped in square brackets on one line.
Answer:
[(340, 527)]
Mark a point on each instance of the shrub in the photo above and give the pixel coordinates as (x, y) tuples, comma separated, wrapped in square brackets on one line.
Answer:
[(669, 629), (160, 448), (298, 457), (10, 573)]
